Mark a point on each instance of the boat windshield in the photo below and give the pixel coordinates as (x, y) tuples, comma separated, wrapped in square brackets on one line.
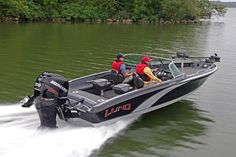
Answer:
[(157, 62)]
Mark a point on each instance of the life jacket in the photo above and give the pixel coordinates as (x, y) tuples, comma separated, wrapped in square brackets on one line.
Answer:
[(140, 71), (116, 65)]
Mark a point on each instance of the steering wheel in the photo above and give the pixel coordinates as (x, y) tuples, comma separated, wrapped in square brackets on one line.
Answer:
[(163, 74)]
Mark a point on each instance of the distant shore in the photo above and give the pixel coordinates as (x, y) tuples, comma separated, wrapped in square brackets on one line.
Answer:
[(16, 20), (111, 12)]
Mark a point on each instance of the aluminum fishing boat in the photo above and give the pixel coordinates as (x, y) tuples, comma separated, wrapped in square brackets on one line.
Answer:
[(106, 97)]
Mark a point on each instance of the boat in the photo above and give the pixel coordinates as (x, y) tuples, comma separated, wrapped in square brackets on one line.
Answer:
[(105, 97)]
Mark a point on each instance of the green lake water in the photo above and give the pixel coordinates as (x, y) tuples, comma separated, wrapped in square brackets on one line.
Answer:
[(204, 124)]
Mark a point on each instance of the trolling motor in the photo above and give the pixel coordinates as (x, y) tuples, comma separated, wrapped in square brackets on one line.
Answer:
[(183, 56), (50, 92), (213, 58)]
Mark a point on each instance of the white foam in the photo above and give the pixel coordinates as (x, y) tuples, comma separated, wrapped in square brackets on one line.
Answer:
[(20, 137)]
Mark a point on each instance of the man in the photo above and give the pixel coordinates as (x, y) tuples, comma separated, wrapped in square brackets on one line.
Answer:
[(144, 71), (119, 66)]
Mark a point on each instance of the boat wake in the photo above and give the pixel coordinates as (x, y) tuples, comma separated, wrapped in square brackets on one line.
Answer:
[(20, 137)]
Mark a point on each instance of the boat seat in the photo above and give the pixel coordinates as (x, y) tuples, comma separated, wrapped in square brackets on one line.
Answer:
[(137, 81), (101, 85), (122, 88), (116, 77)]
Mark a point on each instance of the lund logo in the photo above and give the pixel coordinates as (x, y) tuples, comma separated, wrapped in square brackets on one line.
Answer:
[(126, 107)]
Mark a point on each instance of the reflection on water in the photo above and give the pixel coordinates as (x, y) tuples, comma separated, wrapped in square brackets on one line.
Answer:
[(169, 128)]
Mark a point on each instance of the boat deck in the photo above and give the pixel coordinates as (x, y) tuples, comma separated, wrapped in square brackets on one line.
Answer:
[(190, 70), (91, 96)]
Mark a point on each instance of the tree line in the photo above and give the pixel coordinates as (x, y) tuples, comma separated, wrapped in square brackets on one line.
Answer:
[(80, 10)]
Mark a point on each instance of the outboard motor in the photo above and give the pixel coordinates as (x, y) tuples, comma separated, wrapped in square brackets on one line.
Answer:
[(50, 92)]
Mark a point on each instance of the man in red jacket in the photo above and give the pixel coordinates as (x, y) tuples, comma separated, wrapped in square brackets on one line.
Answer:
[(144, 71), (119, 66)]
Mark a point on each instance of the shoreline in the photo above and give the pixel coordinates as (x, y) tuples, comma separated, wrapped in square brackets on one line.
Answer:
[(16, 20)]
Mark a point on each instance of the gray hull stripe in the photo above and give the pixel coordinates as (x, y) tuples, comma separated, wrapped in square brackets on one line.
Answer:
[(150, 101)]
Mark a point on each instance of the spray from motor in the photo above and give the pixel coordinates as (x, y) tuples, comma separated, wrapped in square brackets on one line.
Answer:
[(20, 136)]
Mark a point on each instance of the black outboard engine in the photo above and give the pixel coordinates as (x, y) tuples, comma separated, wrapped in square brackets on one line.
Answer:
[(50, 92)]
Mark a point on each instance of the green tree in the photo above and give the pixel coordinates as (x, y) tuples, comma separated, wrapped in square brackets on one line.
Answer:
[(72, 11), (149, 10), (102, 9), (203, 8), (15, 8), (179, 9)]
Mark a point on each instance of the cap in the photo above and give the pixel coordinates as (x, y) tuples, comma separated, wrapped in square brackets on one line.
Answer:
[(146, 59), (119, 55)]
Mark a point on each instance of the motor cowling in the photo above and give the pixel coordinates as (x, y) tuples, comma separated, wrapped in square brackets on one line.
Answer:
[(50, 91), (51, 82)]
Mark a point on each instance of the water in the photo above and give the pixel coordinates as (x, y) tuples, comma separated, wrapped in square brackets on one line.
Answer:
[(19, 136), (201, 125)]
